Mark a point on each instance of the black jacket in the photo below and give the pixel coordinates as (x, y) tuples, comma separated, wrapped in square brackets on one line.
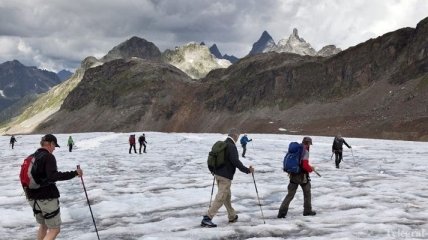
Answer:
[(48, 171), (231, 162), (338, 144)]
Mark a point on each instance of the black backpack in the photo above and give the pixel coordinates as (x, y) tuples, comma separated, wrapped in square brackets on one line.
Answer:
[(217, 158)]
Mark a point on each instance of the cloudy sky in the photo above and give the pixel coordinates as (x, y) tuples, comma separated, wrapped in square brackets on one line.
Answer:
[(58, 34)]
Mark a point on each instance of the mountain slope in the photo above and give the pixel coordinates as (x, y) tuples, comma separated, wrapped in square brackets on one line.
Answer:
[(137, 93), (49, 103)]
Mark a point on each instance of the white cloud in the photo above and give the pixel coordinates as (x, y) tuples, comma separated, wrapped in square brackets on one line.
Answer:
[(66, 32)]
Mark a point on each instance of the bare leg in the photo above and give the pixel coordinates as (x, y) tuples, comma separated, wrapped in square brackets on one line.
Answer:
[(42, 231), (52, 233)]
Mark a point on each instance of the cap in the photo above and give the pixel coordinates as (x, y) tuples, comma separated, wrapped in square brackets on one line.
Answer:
[(234, 132), (50, 138), (307, 140)]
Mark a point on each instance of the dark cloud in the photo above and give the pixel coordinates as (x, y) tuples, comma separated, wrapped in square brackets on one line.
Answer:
[(59, 34)]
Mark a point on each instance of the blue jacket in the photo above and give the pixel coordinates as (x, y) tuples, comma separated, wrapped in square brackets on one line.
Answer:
[(244, 140)]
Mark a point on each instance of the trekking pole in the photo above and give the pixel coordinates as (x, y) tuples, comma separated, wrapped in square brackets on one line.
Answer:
[(87, 199), (331, 158), (319, 175), (353, 157), (257, 192), (212, 191)]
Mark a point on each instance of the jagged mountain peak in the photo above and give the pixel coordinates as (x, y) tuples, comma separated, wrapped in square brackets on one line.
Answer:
[(264, 44), (215, 51)]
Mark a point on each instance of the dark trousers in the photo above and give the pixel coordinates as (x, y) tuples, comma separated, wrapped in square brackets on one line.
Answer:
[(338, 157), (143, 144), (244, 150), (12, 144), (292, 188), (132, 146), (70, 147)]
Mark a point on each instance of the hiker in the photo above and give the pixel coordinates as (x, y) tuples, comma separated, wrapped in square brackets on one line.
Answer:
[(301, 179), (337, 148), (244, 141), (12, 141), (45, 200), (70, 143), (132, 143), (142, 142), (224, 177)]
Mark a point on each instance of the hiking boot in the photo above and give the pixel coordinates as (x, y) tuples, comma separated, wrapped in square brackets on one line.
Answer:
[(311, 213), (206, 222), (282, 214), (235, 219)]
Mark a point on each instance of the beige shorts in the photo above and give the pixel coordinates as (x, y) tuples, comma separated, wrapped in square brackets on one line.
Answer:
[(47, 212)]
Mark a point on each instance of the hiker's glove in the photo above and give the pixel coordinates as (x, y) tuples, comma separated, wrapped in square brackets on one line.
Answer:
[(350, 146), (313, 168)]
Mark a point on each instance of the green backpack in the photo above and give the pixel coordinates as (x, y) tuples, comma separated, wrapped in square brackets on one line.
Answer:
[(216, 158)]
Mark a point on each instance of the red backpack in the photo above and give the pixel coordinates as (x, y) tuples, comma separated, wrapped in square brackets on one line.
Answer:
[(27, 179), (132, 139)]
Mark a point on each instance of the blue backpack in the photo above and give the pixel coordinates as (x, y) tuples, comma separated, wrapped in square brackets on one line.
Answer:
[(292, 159)]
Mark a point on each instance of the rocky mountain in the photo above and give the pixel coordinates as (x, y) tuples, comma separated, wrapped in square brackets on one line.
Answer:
[(18, 81), (264, 44), (129, 93), (64, 75), (216, 52), (133, 47), (230, 58), (328, 50), (293, 44), (194, 59), (378, 88)]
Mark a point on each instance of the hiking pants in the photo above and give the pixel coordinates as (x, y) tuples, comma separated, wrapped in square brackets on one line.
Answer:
[(292, 188), (244, 149), (338, 157), (142, 144), (132, 146), (70, 147), (223, 197)]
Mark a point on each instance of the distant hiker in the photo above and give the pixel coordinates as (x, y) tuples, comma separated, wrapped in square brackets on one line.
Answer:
[(244, 141), (337, 149), (301, 179), (45, 199), (132, 143), (142, 142), (12, 141), (70, 143), (224, 177)]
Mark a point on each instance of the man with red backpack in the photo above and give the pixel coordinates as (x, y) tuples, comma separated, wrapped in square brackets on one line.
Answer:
[(301, 178), (45, 198), (132, 143)]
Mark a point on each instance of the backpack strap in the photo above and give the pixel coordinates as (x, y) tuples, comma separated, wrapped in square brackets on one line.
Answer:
[(47, 215)]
